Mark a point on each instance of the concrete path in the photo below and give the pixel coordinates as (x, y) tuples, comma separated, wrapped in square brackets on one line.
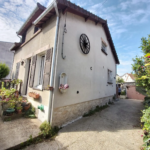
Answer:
[(115, 128), (17, 131)]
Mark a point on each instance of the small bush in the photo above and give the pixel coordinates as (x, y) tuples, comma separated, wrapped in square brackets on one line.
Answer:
[(4, 70), (147, 102), (30, 113), (147, 98), (123, 93), (47, 130)]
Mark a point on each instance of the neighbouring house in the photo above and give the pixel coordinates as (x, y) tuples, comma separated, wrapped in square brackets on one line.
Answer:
[(63, 45), (6, 56), (128, 77)]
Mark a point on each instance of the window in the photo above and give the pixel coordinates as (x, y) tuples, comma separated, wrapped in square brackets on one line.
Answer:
[(104, 47), (110, 78), (23, 37), (36, 29), (39, 71)]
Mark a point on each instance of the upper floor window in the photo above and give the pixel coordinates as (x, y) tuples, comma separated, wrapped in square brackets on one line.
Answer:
[(23, 37), (36, 29), (110, 77), (104, 47)]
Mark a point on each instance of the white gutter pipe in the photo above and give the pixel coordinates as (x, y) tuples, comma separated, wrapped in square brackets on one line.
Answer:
[(51, 97)]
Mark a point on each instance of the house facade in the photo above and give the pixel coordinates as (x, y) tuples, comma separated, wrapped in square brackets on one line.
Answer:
[(65, 45), (127, 77), (6, 56)]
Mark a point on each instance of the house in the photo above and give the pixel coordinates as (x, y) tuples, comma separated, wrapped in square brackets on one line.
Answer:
[(127, 77), (6, 56), (118, 77), (65, 45)]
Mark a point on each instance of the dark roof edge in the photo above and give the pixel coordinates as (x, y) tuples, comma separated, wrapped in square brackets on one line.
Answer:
[(39, 6), (15, 46), (109, 38)]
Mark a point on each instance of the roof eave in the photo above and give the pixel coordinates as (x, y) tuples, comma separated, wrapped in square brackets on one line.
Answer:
[(15, 46), (39, 6), (49, 8)]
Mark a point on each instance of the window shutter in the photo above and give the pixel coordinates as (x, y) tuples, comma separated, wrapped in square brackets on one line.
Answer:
[(17, 70), (32, 71), (47, 69)]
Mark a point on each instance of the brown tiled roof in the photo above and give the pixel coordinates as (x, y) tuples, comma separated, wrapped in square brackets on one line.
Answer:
[(132, 76)]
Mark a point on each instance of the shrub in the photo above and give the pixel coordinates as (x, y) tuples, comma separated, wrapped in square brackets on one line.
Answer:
[(145, 119), (123, 93), (47, 130), (4, 70)]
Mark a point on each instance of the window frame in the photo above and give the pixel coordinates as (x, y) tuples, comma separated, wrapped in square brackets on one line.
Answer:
[(38, 72), (109, 81), (36, 29), (103, 47)]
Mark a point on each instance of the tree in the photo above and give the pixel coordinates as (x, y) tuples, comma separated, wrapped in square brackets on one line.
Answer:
[(120, 80), (4, 70), (141, 66)]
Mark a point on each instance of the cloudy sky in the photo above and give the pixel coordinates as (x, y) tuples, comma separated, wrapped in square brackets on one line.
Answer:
[(128, 20)]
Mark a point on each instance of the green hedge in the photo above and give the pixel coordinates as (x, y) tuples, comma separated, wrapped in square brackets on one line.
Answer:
[(123, 93), (145, 120)]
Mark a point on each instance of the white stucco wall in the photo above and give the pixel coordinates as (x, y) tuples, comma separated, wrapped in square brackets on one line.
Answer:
[(39, 44), (91, 84)]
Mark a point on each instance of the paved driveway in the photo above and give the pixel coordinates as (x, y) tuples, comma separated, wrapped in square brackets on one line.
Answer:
[(115, 128)]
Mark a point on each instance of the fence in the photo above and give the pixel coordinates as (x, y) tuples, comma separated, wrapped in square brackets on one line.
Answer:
[(10, 84)]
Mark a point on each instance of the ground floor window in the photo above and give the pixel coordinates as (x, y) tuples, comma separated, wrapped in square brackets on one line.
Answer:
[(110, 78), (39, 71)]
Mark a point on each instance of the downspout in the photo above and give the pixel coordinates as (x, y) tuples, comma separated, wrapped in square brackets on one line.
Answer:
[(51, 97)]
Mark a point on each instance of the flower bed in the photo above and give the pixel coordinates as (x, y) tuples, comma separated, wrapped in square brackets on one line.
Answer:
[(145, 120), (12, 103)]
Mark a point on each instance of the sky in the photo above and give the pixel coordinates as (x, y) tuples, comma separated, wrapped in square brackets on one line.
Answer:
[(128, 21)]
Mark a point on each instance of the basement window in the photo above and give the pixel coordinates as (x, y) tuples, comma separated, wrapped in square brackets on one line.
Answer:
[(110, 78)]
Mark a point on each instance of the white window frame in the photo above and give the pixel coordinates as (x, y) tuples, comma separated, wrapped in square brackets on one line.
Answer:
[(37, 83), (110, 77)]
